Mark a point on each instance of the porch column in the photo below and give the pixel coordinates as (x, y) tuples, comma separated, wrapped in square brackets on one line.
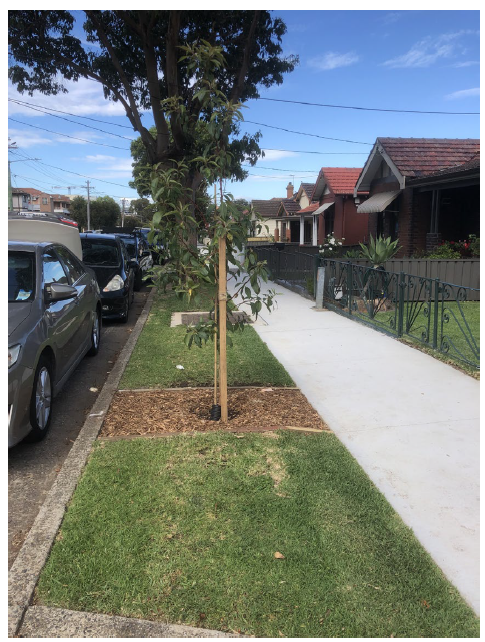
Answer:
[(315, 231), (433, 238), (302, 230)]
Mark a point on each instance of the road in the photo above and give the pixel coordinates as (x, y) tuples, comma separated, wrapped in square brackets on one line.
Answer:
[(32, 468)]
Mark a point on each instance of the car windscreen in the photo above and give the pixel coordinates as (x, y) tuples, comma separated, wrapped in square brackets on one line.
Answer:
[(21, 276), (130, 244), (101, 252)]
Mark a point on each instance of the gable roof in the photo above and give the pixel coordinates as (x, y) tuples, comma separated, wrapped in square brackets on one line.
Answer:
[(411, 158), (289, 207), (268, 208), (340, 180), (307, 188), (422, 156), (27, 190)]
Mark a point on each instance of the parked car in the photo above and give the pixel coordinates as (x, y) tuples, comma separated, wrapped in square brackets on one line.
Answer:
[(157, 247), (41, 226), (140, 254), (107, 256), (54, 319)]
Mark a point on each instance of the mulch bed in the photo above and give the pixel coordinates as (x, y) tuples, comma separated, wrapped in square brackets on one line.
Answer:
[(158, 412)]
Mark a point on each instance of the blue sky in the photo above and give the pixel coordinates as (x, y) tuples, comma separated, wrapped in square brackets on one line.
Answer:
[(407, 60)]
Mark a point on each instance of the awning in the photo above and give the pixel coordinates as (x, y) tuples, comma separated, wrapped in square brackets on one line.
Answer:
[(323, 207), (378, 202)]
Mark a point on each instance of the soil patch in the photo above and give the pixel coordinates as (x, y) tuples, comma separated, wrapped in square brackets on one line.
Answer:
[(188, 410)]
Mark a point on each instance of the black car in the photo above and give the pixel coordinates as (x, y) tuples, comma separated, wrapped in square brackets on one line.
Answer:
[(156, 247), (139, 253), (107, 256)]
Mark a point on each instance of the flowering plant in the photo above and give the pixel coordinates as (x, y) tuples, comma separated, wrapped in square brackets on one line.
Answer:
[(331, 246), (470, 247)]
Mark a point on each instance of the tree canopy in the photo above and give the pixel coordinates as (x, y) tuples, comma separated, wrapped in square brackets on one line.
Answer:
[(103, 212), (140, 62)]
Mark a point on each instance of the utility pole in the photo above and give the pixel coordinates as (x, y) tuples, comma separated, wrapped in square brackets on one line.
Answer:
[(123, 212), (10, 198), (88, 211)]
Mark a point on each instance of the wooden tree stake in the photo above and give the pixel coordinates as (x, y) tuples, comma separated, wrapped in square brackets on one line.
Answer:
[(222, 328)]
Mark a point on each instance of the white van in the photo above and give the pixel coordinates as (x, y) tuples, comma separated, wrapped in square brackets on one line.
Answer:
[(42, 226)]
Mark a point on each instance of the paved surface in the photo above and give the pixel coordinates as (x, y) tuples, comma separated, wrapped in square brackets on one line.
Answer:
[(33, 468), (411, 421)]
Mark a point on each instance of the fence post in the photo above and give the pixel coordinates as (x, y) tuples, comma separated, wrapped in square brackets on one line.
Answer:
[(320, 288), (349, 285), (278, 259), (316, 263), (400, 311), (435, 312)]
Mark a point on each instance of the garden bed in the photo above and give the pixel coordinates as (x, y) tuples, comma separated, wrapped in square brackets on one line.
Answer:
[(152, 412)]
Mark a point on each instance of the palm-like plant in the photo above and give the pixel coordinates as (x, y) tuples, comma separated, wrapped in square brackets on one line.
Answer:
[(379, 250)]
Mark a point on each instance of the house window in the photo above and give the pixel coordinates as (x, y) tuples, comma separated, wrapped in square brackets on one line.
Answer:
[(44, 200)]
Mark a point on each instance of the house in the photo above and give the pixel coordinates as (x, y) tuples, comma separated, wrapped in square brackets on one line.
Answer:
[(421, 191), (336, 209), (28, 198), (268, 210), (295, 216)]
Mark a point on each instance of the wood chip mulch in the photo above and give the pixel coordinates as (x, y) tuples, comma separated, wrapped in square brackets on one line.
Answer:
[(188, 410)]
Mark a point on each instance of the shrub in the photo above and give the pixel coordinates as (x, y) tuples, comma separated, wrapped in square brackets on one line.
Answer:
[(331, 248), (379, 250)]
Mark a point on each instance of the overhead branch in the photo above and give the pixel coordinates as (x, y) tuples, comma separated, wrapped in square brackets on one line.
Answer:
[(171, 74), (103, 38)]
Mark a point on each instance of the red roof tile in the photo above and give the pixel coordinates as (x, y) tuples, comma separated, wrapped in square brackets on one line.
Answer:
[(422, 156), (341, 180), (311, 208)]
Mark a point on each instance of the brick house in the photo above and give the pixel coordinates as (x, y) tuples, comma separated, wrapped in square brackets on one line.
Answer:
[(28, 198), (421, 191), (297, 223), (336, 209)]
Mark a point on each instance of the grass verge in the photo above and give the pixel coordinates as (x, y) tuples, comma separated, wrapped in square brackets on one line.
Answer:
[(161, 348), (186, 529)]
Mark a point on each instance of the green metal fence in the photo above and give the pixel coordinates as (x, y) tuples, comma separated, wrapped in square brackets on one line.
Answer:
[(442, 316)]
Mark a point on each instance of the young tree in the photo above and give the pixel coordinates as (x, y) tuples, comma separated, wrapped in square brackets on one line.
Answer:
[(139, 64)]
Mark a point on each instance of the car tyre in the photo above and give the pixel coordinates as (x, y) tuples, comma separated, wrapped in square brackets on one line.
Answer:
[(95, 335), (124, 318), (138, 281), (41, 400)]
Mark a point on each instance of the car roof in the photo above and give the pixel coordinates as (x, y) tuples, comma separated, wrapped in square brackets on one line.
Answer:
[(91, 235), (29, 246)]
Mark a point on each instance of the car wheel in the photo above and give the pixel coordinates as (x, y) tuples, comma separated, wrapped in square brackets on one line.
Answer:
[(124, 317), (95, 335), (138, 281), (41, 401)]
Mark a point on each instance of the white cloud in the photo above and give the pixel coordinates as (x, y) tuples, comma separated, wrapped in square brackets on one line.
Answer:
[(427, 51), (467, 63), (333, 60), (463, 93), (84, 98), (25, 139), (276, 154), (391, 17)]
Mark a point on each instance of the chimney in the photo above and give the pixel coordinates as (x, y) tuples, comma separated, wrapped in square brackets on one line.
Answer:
[(289, 190)]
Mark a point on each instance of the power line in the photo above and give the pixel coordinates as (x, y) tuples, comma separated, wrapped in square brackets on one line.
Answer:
[(277, 169), (398, 111), (66, 136), (96, 120), (42, 111), (342, 140), (299, 151)]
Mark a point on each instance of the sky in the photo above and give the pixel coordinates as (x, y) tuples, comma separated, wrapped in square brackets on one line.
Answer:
[(395, 60)]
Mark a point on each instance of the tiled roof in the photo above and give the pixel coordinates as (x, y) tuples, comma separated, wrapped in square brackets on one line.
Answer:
[(290, 206), (308, 188), (267, 209), (311, 208), (341, 180), (27, 190), (423, 156)]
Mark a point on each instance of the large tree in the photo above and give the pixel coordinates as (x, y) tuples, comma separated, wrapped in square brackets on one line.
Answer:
[(103, 212), (140, 62)]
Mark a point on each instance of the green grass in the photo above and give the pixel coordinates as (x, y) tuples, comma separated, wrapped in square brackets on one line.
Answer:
[(455, 330), (161, 348), (185, 529)]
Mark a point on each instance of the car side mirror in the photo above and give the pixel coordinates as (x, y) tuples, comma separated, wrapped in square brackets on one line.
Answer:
[(59, 292), (146, 253)]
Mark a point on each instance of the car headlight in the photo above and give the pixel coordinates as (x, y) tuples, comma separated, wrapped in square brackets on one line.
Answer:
[(116, 283), (13, 354)]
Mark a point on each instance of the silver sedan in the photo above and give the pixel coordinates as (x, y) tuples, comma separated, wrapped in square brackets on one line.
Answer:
[(54, 319)]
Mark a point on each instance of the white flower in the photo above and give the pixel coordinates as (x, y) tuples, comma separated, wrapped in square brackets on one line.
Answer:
[(332, 241)]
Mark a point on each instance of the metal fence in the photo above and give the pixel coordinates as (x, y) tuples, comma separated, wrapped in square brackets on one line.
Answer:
[(296, 268), (440, 315)]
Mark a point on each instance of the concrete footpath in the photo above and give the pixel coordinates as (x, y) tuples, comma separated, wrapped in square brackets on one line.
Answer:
[(411, 421)]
